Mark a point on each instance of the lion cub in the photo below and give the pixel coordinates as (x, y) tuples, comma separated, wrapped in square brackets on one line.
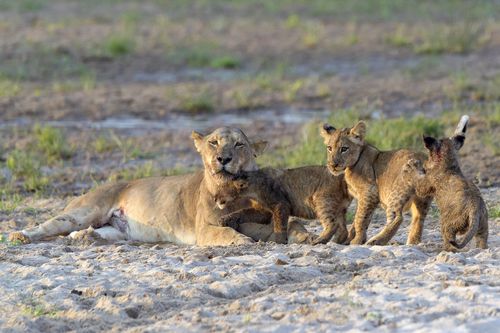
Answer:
[(265, 195), (376, 177), (462, 209)]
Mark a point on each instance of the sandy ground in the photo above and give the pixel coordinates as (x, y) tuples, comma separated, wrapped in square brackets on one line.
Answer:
[(64, 285)]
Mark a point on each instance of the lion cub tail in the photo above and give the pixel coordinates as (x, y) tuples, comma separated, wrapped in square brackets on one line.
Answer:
[(473, 228)]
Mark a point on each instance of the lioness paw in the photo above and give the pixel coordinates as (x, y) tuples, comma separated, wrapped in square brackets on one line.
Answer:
[(18, 236), (242, 240)]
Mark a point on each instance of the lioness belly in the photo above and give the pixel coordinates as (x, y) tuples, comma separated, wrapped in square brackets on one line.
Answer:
[(146, 228), (153, 211)]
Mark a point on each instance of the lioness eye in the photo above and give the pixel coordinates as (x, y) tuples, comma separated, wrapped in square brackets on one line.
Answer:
[(238, 144), (213, 143), (344, 149), (329, 148)]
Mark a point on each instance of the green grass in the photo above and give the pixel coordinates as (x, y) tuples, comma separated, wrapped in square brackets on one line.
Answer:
[(399, 38), (385, 134), (52, 143), (26, 167), (494, 212), (225, 62), (118, 45), (33, 308), (202, 55), (8, 87), (128, 147), (103, 144), (460, 38), (198, 103), (9, 201)]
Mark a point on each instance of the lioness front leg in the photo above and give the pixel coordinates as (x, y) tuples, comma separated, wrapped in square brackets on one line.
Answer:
[(65, 223), (364, 212), (213, 235)]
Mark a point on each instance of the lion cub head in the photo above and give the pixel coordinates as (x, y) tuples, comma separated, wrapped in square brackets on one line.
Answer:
[(443, 152), (343, 146), (227, 151), (230, 191)]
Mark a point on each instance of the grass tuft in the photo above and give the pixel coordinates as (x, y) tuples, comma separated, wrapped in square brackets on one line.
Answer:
[(52, 143), (461, 39), (26, 167), (118, 45), (200, 103)]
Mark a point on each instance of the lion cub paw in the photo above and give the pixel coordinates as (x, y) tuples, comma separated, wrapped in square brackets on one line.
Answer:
[(18, 236), (229, 221), (278, 237)]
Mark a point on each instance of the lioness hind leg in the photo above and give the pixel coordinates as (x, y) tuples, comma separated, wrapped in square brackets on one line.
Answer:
[(65, 223)]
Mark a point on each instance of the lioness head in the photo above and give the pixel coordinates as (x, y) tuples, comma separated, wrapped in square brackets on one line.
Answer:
[(443, 152), (343, 146), (227, 151), (230, 192)]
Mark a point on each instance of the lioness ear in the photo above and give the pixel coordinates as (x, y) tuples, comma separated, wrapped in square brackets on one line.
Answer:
[(326, 130), (359, 130), (429, 142), (258, 147), (198, 140)]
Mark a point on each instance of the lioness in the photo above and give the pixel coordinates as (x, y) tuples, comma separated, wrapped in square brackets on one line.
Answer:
[(462, 209), (177, 209), (374, 177), (266, 196)]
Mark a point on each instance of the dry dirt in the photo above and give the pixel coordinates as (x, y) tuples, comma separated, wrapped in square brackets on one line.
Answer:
[(66, 285)]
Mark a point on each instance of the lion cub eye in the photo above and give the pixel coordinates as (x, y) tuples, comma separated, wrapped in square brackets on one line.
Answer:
[(213, 143), (329, 148), (344, 149), (238, 144)]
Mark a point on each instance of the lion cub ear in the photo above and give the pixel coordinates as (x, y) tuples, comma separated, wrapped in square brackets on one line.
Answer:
[(359, 130), (259, 147), (326, 130), (430, 143), (198, 140)]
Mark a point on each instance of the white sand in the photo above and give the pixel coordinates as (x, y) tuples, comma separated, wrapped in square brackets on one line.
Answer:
[(55, 287)]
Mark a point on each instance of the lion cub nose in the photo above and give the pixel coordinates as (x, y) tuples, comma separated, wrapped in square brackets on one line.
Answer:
[(224, 160)]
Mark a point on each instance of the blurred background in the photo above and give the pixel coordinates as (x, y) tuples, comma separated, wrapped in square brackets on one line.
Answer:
[(92, 91)]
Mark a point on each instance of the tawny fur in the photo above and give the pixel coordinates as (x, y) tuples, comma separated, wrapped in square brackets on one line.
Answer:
[(315, 193), (375, 177), (462, 209), (266, 196), (177, 209)]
